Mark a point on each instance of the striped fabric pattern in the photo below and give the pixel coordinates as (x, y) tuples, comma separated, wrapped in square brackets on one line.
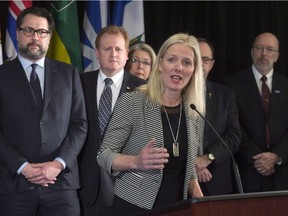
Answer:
[(135, 121)]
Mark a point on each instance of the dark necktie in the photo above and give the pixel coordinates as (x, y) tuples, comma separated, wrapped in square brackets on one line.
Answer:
[(105, 105), (266, 101), (35, 85)]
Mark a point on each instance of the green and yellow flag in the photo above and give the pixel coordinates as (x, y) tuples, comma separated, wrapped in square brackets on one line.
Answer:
[(65, 42)]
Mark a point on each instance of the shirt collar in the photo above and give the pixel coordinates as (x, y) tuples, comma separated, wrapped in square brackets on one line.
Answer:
[(27, 63)]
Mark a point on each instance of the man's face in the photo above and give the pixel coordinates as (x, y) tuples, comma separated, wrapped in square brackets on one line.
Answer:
[(265, 53), (112, 53), (33, 47), (207, 58)]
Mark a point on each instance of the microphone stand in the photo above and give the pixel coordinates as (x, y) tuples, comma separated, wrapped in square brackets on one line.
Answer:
[(235, 166)]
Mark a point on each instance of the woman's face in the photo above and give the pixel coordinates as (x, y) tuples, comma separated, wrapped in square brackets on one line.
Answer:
[(141, 64), (177, 67)]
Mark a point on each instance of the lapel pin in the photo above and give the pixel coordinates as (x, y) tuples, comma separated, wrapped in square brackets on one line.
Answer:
[(277, 91)]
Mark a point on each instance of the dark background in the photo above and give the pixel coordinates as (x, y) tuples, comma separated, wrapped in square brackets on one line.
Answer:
[(231, 26)]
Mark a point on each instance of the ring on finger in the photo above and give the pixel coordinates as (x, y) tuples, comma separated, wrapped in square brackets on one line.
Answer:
[(150, 163)]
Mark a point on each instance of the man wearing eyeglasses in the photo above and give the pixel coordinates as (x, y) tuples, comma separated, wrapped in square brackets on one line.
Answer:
[(43, 125), (262, 99), (213, 163)]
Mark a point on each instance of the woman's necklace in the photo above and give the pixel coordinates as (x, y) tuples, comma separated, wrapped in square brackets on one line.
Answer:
[(175, 139)]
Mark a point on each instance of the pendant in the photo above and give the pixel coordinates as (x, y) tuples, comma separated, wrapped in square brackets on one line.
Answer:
[(176, 149)]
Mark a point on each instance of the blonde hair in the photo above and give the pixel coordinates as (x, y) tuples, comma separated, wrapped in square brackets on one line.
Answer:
[(140, 46), (194, 92)]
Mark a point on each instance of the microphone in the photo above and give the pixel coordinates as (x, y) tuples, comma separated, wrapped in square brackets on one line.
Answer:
[(235, 166)]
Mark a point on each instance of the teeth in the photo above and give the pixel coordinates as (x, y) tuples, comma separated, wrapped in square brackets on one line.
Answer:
[(176, 77)]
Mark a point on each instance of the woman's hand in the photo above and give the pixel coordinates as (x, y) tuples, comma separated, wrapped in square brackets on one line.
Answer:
[(152, 157)]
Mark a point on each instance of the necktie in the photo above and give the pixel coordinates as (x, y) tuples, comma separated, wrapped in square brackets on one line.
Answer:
[(266, 101), (105, 105), (35, 85)]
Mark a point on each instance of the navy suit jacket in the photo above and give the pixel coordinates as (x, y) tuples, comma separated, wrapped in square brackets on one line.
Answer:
[(222, 113), (89, 168), (26, 135), (253, 125)]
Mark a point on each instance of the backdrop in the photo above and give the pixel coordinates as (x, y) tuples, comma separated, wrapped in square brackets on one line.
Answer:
[(230, 26)]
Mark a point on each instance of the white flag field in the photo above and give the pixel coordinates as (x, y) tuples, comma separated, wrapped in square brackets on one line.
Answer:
[(129, 14)]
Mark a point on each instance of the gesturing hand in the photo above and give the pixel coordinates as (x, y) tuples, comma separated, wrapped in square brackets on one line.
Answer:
[(152, 157)]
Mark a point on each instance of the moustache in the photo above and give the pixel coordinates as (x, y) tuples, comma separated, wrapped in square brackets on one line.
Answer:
[(33, 44)]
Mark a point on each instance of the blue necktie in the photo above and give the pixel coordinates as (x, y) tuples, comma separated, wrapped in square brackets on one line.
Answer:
[(35, 85), (105, 105)]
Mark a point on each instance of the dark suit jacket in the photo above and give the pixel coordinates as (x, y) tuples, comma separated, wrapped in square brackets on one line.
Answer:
[(221, 111), (89, 168), (253, 125), (28, 135)]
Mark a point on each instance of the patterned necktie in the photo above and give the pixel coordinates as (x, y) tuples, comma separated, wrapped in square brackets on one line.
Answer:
[(105, 105), (35, 85), (266, 101)]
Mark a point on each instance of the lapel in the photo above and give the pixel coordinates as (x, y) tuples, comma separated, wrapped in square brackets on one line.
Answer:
[(126, 85), (210, 99), (153, 122), (51, 72), (276, 92), (251, 89), (22, 82)]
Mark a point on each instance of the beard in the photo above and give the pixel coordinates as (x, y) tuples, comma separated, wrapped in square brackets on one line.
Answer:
[(32, 54), (263, 65)]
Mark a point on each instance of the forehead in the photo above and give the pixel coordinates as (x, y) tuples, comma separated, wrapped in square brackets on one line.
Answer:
[(141, 53), (181, 50), (205, 49), (36, 22), (109, 39), (267, 40)]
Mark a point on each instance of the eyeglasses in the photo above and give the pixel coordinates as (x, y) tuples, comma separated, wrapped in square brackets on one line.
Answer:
[(206, 60), (138, 61), (29, 32), (269, 50)]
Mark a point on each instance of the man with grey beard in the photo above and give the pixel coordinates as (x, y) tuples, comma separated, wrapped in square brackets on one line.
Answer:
[(43, 125), (262, 99)]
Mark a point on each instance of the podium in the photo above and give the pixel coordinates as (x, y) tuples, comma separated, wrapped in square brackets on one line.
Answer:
[(248, 204)]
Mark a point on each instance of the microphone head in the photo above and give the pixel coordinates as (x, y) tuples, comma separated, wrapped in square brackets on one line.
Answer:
[(193, 106)]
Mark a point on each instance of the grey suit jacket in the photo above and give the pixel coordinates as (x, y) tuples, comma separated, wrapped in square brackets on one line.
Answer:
[(26, 135), (135, 121)]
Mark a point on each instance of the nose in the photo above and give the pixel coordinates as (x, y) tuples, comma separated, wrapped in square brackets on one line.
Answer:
[(35, 35), (179, 67)]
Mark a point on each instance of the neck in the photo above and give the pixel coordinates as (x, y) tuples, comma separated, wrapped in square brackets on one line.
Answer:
[(171, 101)]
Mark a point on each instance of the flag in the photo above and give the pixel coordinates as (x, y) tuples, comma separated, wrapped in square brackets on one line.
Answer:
[(65, 41), (130, 15), (11, 45), (96, 17)]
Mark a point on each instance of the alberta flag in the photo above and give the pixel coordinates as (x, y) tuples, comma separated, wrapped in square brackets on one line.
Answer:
[(11, 45), (96, 17), (65, 41), (130, 15)]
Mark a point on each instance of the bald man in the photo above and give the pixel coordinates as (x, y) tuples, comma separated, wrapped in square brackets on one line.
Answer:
[(262, 104), (213, 162)]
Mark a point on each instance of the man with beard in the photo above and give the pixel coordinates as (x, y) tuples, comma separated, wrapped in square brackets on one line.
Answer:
[(43, 125), (262, 99)]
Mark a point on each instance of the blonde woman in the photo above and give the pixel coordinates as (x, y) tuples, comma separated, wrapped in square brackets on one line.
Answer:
[(152, 139), (141, 59)]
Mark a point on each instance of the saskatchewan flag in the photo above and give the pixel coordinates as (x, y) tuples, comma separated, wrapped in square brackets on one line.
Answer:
[(65, 41)]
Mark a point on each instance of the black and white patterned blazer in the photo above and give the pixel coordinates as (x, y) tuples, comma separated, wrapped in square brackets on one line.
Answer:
[(135, 121)]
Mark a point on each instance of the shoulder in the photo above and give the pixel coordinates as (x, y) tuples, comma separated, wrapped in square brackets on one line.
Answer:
[(89, 74), (133, 80)]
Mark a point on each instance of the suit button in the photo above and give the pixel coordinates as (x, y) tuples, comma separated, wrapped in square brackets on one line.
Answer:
[(42, 123)]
